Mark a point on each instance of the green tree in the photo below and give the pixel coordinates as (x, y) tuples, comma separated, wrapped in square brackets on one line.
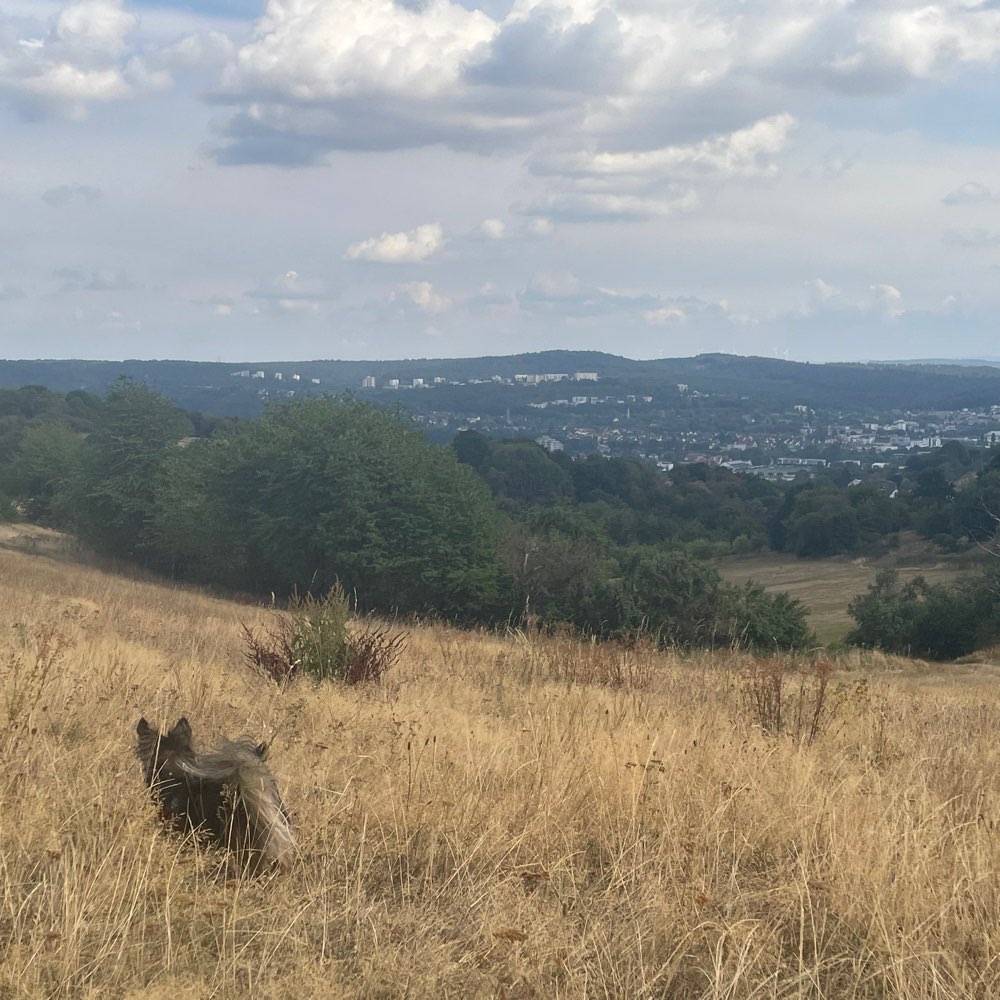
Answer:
[(45, 473), (555, 559), (121, 466), (673, 596), (822, 522), (763, 621), (471, 448), (937, 621), (524, 473), (191, 531), (885, 613), (333, 489)]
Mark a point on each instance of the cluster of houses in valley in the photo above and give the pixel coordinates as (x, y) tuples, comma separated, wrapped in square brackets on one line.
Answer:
[(259, 374), (782, 455), (371, 382), (775, 444), (891, 441)]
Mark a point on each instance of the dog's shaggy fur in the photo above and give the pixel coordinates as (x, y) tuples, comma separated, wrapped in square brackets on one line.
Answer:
[(229, 794)]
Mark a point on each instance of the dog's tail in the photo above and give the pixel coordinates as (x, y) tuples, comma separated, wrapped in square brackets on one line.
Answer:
[(272, 831), (241, 766)]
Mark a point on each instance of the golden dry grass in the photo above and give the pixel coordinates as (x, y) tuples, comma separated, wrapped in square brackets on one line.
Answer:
[(494, 821)]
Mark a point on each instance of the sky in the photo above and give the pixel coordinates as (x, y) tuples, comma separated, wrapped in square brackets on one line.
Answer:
[(296, 179)]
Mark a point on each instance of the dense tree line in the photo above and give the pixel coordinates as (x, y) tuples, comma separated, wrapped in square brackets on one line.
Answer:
[(627, 501), (949, 496), (333, 489)]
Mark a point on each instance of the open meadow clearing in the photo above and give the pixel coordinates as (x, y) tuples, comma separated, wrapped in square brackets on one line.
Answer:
[(503, 817), (827, 586)]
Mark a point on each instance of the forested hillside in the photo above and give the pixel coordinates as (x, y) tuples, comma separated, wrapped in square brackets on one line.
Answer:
[(760, 382)]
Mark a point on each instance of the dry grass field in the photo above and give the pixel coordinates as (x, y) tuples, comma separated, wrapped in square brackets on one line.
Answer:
[(504, 817)]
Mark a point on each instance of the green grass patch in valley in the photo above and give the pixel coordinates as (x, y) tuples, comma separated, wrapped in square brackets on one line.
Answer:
[(826, 586)]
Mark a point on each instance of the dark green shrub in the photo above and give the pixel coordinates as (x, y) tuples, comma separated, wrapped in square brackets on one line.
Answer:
[(936, 621), (313, 638), (766, 621)]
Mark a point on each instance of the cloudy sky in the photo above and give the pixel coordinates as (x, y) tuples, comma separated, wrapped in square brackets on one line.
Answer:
[(812, 179)]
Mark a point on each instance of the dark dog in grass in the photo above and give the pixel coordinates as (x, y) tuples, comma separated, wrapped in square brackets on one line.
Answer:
[(228, 794)]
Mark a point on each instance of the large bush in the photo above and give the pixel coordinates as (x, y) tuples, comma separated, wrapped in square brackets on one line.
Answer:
[(685, 603), (936, 621)]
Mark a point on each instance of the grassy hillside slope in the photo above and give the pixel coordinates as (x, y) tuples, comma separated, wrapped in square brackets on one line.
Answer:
[(501, 819)]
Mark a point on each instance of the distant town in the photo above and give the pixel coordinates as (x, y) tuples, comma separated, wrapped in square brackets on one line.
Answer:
[(778, 444), (756, 416), (371, 382)]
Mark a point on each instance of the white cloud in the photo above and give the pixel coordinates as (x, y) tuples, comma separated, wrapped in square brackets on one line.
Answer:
[(290, 293), (490, 296), (394, 248), (423, 295), (664, 315), (870, 48), (493, 229), (635, 185), (745, 152), (59, 60), (738, 135), (563, 294), (820, 290), (573, 206), (555, 285), (886, 301), (78, 280), (540, 227), (81, 59), (976, 238), (603, 74), (197, 50), (834, 163), (969, 193), (94, 27), (925, 39), (65, 194), (322, 51), (118, 321), (560, 297), (819, 294)]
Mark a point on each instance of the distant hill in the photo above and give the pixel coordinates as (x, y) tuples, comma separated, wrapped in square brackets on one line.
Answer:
[(216, 387), (962, 362)]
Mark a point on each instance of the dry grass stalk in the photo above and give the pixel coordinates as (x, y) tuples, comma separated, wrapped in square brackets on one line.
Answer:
[(785, 698), (373, 648), (268, 649)]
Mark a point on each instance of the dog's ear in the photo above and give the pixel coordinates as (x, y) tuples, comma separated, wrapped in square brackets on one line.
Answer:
[(143, 728), (181, 733)]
